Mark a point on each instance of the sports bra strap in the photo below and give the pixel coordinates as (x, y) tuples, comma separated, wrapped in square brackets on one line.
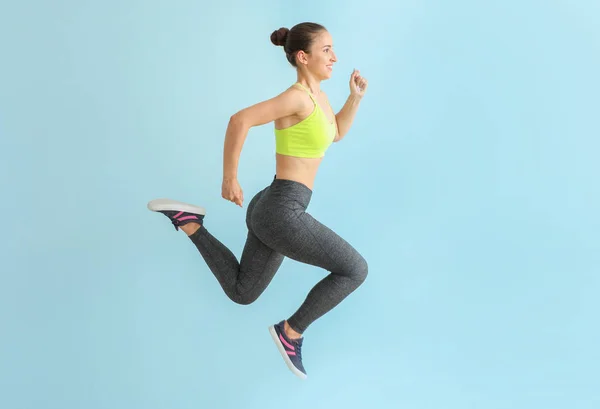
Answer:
[(308, 91)]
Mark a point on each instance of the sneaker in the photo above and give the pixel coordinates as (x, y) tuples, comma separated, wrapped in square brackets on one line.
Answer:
[(290, 349), (179, 213)]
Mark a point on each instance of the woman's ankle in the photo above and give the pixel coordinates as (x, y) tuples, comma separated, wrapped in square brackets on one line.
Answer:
[(290, 332), (190, 228)]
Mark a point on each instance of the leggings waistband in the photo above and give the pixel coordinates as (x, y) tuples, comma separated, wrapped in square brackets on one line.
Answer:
[(291, 189)]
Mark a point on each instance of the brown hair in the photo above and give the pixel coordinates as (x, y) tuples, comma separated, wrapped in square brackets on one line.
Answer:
[(299, 38)]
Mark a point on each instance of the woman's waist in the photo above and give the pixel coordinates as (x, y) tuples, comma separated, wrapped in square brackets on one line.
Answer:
[(301, 170)]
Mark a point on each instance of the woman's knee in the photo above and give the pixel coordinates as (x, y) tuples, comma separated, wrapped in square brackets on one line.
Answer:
[(357, 270), (244, 298), (360, 270)]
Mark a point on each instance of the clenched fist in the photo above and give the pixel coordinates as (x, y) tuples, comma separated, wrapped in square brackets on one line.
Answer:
[(232, 191), (358, 84)]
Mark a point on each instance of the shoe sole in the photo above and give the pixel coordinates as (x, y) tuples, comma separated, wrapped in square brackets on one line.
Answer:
[(284, 354), (158, 205)]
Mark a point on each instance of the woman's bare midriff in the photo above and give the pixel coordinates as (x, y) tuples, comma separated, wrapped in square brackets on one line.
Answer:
[(302, 170)]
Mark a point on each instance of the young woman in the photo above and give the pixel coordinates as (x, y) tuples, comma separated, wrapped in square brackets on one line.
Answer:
[(276, 218)]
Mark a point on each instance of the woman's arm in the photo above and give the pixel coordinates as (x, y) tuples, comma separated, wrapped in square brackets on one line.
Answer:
[(285, 104), (345, 118)]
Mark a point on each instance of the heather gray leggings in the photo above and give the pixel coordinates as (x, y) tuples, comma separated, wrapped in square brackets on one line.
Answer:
[(278, 227)]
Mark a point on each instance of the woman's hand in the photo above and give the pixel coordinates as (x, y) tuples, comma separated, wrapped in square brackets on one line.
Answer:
[(232, 191), (358, 84)]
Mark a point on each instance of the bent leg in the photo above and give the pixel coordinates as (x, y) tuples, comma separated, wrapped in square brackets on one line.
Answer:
[(308, 241), (246, 280)]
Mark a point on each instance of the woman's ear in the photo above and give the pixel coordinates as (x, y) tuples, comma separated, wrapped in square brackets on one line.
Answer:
[(301, 57)]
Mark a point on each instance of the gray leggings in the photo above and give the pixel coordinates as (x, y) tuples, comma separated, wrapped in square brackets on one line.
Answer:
[(278, 227)]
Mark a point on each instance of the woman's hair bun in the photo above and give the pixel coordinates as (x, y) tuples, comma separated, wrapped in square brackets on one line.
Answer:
[(279, 37)]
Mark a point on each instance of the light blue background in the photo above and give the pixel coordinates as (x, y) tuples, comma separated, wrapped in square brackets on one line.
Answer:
[(469, 182)]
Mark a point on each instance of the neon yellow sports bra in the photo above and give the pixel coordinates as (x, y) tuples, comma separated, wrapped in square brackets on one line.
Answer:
[(310, 137)]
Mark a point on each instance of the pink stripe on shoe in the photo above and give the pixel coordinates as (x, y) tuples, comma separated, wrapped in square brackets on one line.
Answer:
[(287, 344), (187, 218), (177, 215), (291, 353)]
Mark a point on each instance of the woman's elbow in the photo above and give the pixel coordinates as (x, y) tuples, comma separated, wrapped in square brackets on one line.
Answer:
[(238, 121), (236, 118)]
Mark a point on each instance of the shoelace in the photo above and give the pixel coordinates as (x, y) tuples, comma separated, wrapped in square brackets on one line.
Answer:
[(173, 220), (298, 348)]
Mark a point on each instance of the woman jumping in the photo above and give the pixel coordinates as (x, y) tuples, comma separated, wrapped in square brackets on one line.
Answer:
[(276, 218)]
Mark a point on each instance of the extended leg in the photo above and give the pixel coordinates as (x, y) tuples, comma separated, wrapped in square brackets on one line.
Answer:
[(311, 242)]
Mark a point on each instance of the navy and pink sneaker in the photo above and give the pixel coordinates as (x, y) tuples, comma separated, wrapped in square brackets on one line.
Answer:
[(290, 349), (178, 212)]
